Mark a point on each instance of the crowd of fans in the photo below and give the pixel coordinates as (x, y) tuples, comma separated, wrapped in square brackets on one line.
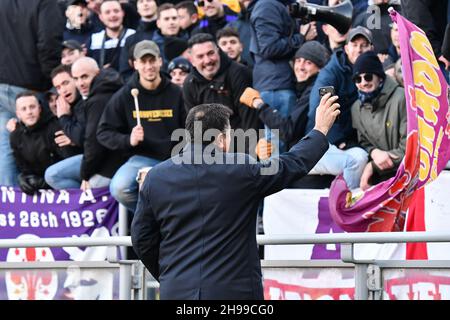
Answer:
[(68, 116)]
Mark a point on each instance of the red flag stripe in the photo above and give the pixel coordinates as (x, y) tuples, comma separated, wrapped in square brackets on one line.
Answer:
[(416, 222)]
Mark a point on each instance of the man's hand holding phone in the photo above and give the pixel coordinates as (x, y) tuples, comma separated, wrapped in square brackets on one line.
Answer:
[(326, 113)]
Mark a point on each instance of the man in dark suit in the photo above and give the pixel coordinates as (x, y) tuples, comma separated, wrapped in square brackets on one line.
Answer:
[(195, 223)]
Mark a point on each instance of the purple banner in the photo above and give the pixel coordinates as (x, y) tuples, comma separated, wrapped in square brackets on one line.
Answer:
[(54, 214), (326, 225), (383, 207)]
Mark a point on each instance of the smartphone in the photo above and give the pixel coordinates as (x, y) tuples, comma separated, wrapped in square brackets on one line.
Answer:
[(329, 89), (324, 90)]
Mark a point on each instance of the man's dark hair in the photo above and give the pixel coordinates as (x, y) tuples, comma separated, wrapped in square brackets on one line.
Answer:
[(104, 1), (211, 116), (190, 7), (227, 32), (27, 93), (61, 69), (200, 38), (164, 7)]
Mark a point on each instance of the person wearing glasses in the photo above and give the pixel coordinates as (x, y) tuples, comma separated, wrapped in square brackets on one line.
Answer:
[(217, 16), (379, 117), (179, 69)]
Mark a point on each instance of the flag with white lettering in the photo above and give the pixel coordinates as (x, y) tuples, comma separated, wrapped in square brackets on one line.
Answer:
[(383, 207), (55, 214)]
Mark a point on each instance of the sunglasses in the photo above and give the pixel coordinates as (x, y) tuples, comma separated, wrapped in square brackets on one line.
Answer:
[(183, 66), (201, 3), (367, 77)]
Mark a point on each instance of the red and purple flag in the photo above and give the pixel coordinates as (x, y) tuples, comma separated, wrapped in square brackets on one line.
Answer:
[(383, 207)]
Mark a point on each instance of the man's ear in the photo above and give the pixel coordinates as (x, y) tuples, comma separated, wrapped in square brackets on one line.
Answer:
[(220, 141), (194, 18)]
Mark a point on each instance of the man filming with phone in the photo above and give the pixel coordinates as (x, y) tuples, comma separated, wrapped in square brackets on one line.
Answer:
[(308, 61)]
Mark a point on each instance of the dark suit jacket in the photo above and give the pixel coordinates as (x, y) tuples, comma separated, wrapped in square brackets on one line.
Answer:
[(195, 224)]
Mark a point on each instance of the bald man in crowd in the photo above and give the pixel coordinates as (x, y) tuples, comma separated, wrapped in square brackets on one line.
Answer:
[(96, 86), (96, 166)]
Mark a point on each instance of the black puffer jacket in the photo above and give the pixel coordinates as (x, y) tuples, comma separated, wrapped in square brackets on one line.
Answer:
[(97, 159), (30, 41), (34, 148)]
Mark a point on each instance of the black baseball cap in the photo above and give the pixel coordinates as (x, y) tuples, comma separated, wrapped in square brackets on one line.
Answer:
[(75, 2), (360, 31), (72, 45), (179, 63)]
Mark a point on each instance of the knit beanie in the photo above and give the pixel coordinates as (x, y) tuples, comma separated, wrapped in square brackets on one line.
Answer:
[(313, 51), (368, 62)]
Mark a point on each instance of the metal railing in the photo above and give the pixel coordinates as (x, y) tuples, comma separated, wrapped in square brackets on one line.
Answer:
[(66, 242), (132, 283), (131, 273), (363, 281)]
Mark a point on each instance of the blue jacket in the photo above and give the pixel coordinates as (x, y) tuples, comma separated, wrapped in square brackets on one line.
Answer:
[(272, 45), (194, 226), (337, 73)]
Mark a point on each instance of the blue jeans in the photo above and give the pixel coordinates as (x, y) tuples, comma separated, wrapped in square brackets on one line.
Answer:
[(124, 186), (8, 169), (284, 102), (65, 174), (350, 163)]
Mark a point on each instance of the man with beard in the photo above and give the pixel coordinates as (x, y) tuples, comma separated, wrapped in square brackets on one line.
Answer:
[(161, 112), (218, 79), (33, 142), (105, 46), (98, 163)]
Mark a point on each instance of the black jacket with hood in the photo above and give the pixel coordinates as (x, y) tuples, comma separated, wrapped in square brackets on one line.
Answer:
[(34, 147), (74, 124), (161, 112), (96, 158), (226, 88)]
